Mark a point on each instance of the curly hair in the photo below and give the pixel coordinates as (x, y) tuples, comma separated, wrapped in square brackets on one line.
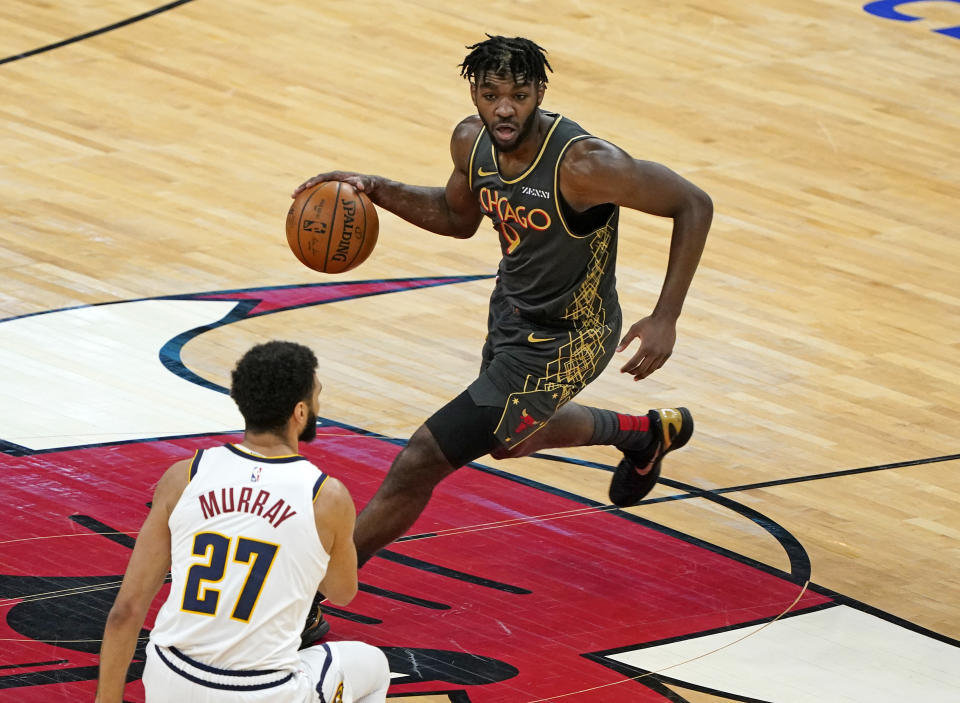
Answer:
[(503, 56), (269, 381)]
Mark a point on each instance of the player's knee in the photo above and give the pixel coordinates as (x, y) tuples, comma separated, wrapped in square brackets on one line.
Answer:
[(500, 453), (377, 676), (504, 453), (422, 448), (418, 467)]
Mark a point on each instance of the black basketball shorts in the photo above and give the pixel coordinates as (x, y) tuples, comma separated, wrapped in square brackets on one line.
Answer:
[(529, 371)]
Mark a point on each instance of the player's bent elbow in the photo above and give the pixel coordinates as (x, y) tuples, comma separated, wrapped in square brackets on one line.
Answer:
[(463, 226), (122, 614), (702, 202), (340, 585), (460, 231), (340, 594)]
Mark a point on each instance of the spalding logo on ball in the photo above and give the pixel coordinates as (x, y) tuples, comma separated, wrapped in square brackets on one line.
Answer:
[(332, 227)]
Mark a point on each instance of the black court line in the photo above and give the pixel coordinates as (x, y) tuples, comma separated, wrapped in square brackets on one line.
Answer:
[(800, 568), (415, 563), (842, 472), (95, 32), (104, 530), (13, 449), (347, 615), (656, 681), (403, 597), (752, 486), (25, 666), (798, 479), (59, 676), (452, 696), (51, 676)]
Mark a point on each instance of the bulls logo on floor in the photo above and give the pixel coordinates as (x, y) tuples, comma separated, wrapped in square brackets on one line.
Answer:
[(506, 590)]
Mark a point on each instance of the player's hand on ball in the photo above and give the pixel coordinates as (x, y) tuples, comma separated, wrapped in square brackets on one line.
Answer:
[(359, 181)]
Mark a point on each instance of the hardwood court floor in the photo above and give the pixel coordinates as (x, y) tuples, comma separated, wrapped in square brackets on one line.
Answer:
[(818, 347)]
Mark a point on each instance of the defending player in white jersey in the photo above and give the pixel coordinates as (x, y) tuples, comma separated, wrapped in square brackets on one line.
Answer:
[(249, 532)]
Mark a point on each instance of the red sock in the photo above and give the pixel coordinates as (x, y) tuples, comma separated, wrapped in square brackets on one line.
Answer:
[(620, 429)]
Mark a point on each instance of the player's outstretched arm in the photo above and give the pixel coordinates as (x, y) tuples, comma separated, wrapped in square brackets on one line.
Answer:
[(452, 211), (335, 515), (146, 570), (598, 172)]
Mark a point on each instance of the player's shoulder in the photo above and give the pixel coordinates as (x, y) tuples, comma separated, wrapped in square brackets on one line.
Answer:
[(178, 473), (589, 147), (172, 484), (467, 130), (590, 156), (333, 491), (333, 506), (464, 138), (471, 124)]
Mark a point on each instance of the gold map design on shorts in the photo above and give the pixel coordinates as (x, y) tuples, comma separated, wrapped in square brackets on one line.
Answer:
[(577, 360), (576, 363)]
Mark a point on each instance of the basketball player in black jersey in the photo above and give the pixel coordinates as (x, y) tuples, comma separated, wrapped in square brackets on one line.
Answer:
[(553, 193)]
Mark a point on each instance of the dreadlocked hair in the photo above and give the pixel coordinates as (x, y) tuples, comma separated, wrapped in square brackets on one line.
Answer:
[(503, 56)]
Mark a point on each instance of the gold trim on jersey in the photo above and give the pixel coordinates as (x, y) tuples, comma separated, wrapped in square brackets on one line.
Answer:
[(473, 153), (586, 304), (558, 196), (543, 148), (193, 465), (323, 482), (256, 455)]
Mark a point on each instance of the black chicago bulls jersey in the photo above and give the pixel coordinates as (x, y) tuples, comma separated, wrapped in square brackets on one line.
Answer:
[(557, 265)]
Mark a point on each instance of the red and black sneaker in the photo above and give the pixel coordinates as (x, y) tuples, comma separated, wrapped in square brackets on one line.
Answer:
[(638, 471), (316, 627)]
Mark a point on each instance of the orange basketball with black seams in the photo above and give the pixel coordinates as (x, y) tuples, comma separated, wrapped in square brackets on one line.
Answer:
[(332, 227)]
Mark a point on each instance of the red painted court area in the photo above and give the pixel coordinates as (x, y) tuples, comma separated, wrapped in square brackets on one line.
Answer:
[(501, 614)]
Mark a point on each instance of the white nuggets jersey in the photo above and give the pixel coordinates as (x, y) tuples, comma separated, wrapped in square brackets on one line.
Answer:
[(246, 560)]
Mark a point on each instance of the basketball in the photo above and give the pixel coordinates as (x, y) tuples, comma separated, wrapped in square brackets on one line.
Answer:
[(331, 227)]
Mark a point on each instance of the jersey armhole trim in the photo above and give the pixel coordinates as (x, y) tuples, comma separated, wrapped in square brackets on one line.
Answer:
[(559, 195), (473, 154), (194, 465), (318, 486), (543, 150)]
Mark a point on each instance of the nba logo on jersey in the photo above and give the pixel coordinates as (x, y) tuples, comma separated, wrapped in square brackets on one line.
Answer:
[(255, 474)]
